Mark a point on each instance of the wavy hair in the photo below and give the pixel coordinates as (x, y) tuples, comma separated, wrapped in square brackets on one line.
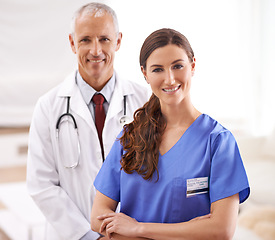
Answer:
[(141, 138)]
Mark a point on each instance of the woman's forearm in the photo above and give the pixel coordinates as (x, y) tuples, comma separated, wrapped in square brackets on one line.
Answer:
[(220, 224), (196, 230), (123, 227), (120, 237)]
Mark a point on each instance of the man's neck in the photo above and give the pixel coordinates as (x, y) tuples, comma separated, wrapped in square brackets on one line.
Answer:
[(95, 82)]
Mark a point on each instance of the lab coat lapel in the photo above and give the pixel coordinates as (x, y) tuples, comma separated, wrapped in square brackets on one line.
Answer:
[(77, 103), (80, 108), (116, 107), (116, 104)]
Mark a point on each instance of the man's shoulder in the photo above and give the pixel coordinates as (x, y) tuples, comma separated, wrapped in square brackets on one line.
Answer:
[(131, 87), (50, 97), (135, 84), (62, 88), (53, 92), (139, 90)]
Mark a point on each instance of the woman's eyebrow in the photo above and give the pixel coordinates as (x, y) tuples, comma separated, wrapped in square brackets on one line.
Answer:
[(155, 65), (159, 65), (178, 60)]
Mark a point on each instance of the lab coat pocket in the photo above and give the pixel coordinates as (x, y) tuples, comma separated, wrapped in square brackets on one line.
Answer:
[(68, 144)]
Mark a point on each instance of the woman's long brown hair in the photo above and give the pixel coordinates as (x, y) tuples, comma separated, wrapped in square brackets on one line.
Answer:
[(141, 138)]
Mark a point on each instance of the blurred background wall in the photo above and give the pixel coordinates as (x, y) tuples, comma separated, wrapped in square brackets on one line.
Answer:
[(232, 40)]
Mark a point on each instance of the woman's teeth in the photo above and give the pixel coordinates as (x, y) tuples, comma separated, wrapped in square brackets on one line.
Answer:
[(171, 89)]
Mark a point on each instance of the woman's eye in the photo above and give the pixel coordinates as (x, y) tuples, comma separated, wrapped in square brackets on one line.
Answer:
[(178, 66), (157, 70)]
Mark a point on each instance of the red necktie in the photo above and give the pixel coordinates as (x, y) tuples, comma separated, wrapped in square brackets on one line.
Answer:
[(98, 100)]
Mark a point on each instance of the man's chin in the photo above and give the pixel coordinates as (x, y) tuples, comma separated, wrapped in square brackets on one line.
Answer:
[(96, 73)]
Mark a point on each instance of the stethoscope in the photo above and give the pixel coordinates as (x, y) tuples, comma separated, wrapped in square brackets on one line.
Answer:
[(123, 120), (57, 127)]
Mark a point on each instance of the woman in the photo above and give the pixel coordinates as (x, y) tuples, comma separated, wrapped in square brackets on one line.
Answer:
[(176, 172)]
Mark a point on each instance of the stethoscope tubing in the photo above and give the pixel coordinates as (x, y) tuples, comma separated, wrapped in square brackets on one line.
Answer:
[(123, 120), (66, 114)]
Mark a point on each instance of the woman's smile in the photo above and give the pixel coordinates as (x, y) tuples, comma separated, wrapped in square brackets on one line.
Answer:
[(171, 89)]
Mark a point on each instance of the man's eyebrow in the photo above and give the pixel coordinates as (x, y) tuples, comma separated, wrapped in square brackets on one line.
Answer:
[(81, 37)]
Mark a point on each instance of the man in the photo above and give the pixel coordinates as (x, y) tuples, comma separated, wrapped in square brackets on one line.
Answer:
[(67, 144)]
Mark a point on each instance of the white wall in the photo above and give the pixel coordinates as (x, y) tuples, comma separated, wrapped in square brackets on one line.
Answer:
[(232, 40)]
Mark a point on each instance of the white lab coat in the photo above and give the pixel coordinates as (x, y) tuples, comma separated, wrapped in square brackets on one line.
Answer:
[(65, 196)]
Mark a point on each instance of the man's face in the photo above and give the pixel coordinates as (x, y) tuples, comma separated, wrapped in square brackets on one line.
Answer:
[(95, 43)]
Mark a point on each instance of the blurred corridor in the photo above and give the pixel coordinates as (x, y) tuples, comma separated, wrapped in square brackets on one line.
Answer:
[(19, 217)]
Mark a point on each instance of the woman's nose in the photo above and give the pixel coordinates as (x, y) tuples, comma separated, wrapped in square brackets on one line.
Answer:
[(169, 78)]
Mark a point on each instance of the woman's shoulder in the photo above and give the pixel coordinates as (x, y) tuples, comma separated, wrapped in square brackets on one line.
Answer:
[(214, 127)]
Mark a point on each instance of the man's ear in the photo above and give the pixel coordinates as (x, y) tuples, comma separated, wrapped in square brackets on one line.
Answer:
[(119, 38), (71, 39)]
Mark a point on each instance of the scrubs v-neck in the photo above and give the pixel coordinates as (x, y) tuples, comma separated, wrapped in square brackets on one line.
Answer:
[(202, 167)]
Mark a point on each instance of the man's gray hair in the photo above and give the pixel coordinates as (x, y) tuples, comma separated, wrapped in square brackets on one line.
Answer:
[(96, 9)]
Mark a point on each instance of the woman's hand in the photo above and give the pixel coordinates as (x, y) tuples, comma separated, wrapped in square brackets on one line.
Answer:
[(119, 223), (124, 225), (103, 238)]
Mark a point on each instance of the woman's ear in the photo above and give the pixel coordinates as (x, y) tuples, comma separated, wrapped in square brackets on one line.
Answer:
[(193, 65), (144, 73)]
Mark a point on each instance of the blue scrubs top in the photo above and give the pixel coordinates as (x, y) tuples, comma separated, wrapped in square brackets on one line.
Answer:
[(202, 167)]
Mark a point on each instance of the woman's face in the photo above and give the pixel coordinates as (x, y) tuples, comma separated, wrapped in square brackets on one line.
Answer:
[(169, 72)]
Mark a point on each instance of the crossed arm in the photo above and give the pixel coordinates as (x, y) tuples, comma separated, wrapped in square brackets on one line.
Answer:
[(219, 224)]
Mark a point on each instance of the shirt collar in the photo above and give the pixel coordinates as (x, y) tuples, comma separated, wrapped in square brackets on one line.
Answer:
[(88, 92)]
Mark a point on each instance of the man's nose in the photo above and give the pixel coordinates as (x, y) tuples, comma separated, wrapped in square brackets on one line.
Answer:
[(169, 78), (95, 48)]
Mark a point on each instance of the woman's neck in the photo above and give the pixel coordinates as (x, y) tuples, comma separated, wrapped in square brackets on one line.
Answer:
[(181, 115)]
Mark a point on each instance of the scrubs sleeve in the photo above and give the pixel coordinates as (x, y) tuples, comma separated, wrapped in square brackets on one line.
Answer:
[(108, 178), (227, 176)]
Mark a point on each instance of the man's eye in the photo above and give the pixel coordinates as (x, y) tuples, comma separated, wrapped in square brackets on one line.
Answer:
[(84, 40), (104, 39), (157, 70)]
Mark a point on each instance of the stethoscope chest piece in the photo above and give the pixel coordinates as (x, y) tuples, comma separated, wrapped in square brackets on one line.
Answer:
[(124, 120)]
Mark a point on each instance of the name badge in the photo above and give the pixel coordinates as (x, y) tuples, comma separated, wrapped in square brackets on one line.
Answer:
[(196, 186)]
